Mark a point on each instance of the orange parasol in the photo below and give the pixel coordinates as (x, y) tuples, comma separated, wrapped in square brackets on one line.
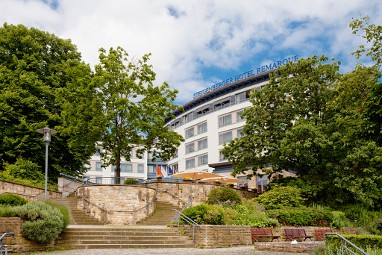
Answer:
[(195, 175)]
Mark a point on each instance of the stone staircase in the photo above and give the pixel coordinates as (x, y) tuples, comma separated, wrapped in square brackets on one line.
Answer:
[(163, 214), (85, 232), (117, 237), (77, 217)]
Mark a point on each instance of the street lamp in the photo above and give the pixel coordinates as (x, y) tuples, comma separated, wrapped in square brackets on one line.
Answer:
[(47, 132)]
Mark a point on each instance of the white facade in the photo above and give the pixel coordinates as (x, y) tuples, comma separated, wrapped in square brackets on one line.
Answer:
[(209, 121)]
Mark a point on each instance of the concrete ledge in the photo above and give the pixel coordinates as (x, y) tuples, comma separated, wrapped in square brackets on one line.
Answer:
[(300, 247)]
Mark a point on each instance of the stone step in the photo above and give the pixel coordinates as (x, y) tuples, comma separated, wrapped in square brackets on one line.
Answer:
[(122, 241), (125, 246)]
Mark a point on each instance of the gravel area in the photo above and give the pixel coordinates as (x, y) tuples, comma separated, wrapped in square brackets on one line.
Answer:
[(242, 250)]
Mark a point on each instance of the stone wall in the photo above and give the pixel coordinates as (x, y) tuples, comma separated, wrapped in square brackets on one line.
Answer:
[(19, 243), (180, 194), (28, 192), (117, 204), (214, 236)]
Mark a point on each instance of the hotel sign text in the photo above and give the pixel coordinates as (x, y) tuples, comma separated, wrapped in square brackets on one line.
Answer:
[(247, 74)]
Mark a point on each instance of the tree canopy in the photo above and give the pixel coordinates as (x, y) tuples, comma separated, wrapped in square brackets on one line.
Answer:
[(314, 121), (132, 110), (34, 66)]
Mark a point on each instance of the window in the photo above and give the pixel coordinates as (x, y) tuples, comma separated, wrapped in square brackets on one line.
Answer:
[(190, 132), (202, 128), (243, 96), (225, 137), (225, 120), (99, 180), (176, 153), (222, 104), (98, 166), (151, 169), (187, 117), (221, 157), (238, 116), (202, 144), (190, 163), (141, 168), (203, 160), (240, 133), (175, 124), (190, 147), (173, 169), (202, 112)]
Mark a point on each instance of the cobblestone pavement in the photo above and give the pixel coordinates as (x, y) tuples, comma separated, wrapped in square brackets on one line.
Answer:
[(242, 250)]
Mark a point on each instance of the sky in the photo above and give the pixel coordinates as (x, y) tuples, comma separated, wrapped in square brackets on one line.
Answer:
[(198, 43)]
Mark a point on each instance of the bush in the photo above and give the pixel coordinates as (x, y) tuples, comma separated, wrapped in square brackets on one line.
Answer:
[(42, 223), (205, 214), (302, 216), (244, 216), (12, 200), (362, 241), (281, 197), (24, 169), (223, 196), (64, 210), (130, 181)]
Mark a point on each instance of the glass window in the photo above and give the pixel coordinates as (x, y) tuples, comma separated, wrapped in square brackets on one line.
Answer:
[(98, 166), (141, 168), (221, 157), (225, 120), (225, 137), (239, 133), (202, 128), (151, 169), (203, 160), (190, 132), (190, 163), (202, 144), (126, 168), (190, 147), (238, 116)]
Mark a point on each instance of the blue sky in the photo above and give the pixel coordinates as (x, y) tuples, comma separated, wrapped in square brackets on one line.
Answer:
[(197, 43)]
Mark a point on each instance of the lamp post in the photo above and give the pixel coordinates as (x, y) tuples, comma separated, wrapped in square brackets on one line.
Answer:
[(47, 132)]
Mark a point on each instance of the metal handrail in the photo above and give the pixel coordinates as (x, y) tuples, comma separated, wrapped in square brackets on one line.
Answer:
[(188, 220), (4, 248), (345, 242)]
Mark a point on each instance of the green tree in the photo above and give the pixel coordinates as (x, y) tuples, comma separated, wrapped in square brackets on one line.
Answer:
[(34, 66), (133, 110)]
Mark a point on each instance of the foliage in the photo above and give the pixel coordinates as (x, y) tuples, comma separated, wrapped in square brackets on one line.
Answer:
[(362, 241), (64, 210), (12, 200), (130, 181), (131, 110), (223, 196), (362, 217), (280, 197), (41, 222), (302, 216), (244, 216), (339, 220), (205, 214), (34, 66)]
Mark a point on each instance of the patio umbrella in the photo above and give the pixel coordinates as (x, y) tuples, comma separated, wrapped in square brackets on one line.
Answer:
[(195, 175), (221, 179)]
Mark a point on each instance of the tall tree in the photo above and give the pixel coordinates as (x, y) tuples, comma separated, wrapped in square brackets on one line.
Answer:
[(133, 109), (34, 67)]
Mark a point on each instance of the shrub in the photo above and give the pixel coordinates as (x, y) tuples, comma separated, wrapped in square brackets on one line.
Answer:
[(130, 181), (42, 223), (64, 210), (12, 200), (281, 197), (24, 169), (244, 216), (223, 196), (362, 241), (339, 220), (302, 216), (205, 214)]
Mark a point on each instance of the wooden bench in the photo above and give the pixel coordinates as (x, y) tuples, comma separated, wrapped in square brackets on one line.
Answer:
[(296, 234), (319, 233), (263, 233)]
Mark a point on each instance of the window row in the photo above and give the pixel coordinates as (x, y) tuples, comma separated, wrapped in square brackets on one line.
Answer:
[(200, 145), (220, 104), (200, 129), (125, 167), (226, 137), (227, 119), (200, 161)]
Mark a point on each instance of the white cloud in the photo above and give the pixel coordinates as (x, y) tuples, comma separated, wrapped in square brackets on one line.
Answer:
[(187, 37)]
